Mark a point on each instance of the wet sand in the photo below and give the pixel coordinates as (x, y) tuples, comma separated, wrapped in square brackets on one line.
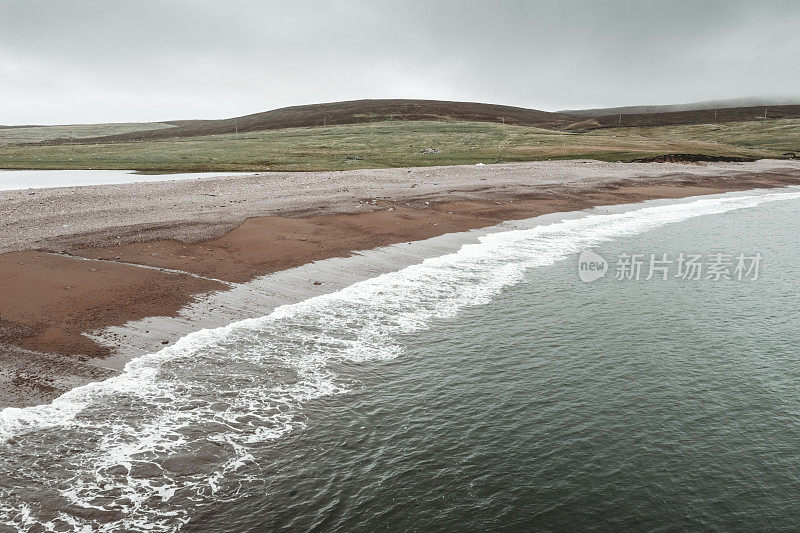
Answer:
[(88, 260)]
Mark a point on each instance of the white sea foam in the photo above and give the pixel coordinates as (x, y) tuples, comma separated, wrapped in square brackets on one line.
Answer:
[(144, 448)]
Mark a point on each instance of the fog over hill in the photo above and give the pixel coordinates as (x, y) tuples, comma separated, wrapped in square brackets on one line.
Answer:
[(693, 106)]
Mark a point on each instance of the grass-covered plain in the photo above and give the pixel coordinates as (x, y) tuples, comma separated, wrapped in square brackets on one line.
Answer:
[(32, 134), (780, 137), (399, 143)]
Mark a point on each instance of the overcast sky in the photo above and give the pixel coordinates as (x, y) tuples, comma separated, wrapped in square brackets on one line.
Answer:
[(77, 61)]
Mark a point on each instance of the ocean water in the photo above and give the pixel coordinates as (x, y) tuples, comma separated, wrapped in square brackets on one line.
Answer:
[(39, 179), (485, 389)]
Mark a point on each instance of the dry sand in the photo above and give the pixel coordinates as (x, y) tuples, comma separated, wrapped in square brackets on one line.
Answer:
[(150, 249)]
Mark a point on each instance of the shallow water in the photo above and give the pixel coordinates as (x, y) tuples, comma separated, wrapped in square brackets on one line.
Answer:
[(488, 388), (39, 179)]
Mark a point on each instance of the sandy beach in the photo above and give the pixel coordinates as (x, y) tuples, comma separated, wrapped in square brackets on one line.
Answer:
[(77, 262)]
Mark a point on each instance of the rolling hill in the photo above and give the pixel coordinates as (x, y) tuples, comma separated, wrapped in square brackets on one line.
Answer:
[(698, 116), (693, 106), (368, 111), (355, 112), (389, 133)]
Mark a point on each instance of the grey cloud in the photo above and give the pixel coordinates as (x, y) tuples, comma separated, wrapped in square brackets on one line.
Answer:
[(90, 61)]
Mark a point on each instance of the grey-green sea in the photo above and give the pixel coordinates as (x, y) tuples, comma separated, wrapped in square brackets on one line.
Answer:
[(489, 389)]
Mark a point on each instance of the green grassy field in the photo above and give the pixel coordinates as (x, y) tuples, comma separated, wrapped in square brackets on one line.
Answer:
[(396, 143), (75, 131), (780, 137)]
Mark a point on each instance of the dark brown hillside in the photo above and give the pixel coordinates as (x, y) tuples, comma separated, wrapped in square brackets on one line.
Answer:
[(183, 122), (700, 116), (361, 111), (353, 112), (691, 106)]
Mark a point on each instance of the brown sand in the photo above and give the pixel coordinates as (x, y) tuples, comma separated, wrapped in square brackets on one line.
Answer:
[(49, 300), (267, 244)]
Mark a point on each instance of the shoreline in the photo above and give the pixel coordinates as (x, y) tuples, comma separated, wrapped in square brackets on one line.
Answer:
[(63, 178), (91, 307)]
